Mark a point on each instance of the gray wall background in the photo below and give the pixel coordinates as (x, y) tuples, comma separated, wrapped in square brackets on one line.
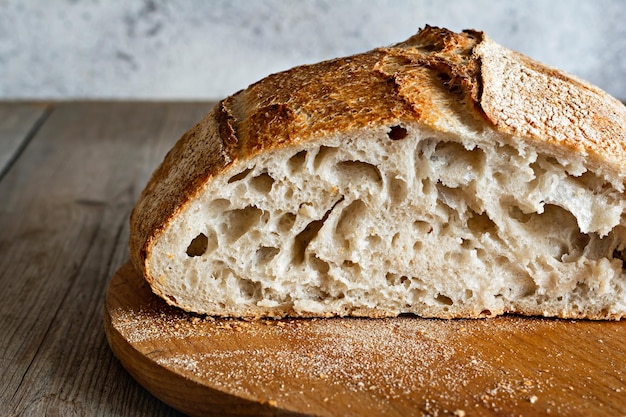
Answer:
[(192, 49)]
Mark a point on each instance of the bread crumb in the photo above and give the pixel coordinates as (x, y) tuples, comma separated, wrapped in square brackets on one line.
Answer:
[(272, 403), (459, 413), (533, 399)]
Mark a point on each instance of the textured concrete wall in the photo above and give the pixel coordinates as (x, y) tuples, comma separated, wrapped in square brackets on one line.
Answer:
[(192, 49)]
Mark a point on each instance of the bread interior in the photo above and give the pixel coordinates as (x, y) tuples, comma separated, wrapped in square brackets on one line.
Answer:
[(399, 219)]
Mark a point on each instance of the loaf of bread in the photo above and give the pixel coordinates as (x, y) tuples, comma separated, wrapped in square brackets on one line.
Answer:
[(445, 176)]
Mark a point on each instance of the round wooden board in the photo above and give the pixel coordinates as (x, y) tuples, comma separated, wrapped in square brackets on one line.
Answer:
[(341, 367)]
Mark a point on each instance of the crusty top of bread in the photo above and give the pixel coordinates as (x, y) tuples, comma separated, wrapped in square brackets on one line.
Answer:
[(444, 80)]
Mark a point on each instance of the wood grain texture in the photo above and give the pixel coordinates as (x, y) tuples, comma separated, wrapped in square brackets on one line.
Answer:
[(18, 123), (506, 366), (63, 231)]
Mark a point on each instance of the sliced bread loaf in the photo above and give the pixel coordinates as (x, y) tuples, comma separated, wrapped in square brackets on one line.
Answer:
[(445, 176)]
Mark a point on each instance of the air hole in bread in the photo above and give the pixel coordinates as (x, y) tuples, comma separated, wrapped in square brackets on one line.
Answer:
[(539, 174), (374, 241), (427, 186), (250, 289), (576, 246), (395, 241), (349, 264), (396, 279), (296, 162), (391, 278), (351, 267), (262, 183), (238, 177), (594, 182), (302, 239), (502, 261), (422, 227), (240, 221), (286, 222), (480, 223), (198, 245), (444, 300), (397, 190), (359, 172), (265, 254), (349, 219), (559, 229), (319, 265), (325, 154), (219, 205), (448, 196), (397, 133), (417, 293), (458, 164), (516, 213)]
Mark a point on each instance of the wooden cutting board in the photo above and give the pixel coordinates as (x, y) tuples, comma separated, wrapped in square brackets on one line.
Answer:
[(341, 367)]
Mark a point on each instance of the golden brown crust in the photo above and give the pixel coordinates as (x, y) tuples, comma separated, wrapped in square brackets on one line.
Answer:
[(525, 98), (203, 151), (440, 79)]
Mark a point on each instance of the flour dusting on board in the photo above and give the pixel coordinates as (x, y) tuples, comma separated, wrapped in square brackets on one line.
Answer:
[(326, 366), (387, 358), (358, 355)]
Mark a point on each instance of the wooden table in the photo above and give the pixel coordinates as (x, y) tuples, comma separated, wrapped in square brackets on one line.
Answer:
[(69, 176)]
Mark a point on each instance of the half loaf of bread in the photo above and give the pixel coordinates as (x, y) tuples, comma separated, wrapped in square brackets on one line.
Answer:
[(445, 176)]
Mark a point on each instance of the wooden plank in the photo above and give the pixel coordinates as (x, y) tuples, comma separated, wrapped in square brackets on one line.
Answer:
[(63, 231), (18, 123)]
